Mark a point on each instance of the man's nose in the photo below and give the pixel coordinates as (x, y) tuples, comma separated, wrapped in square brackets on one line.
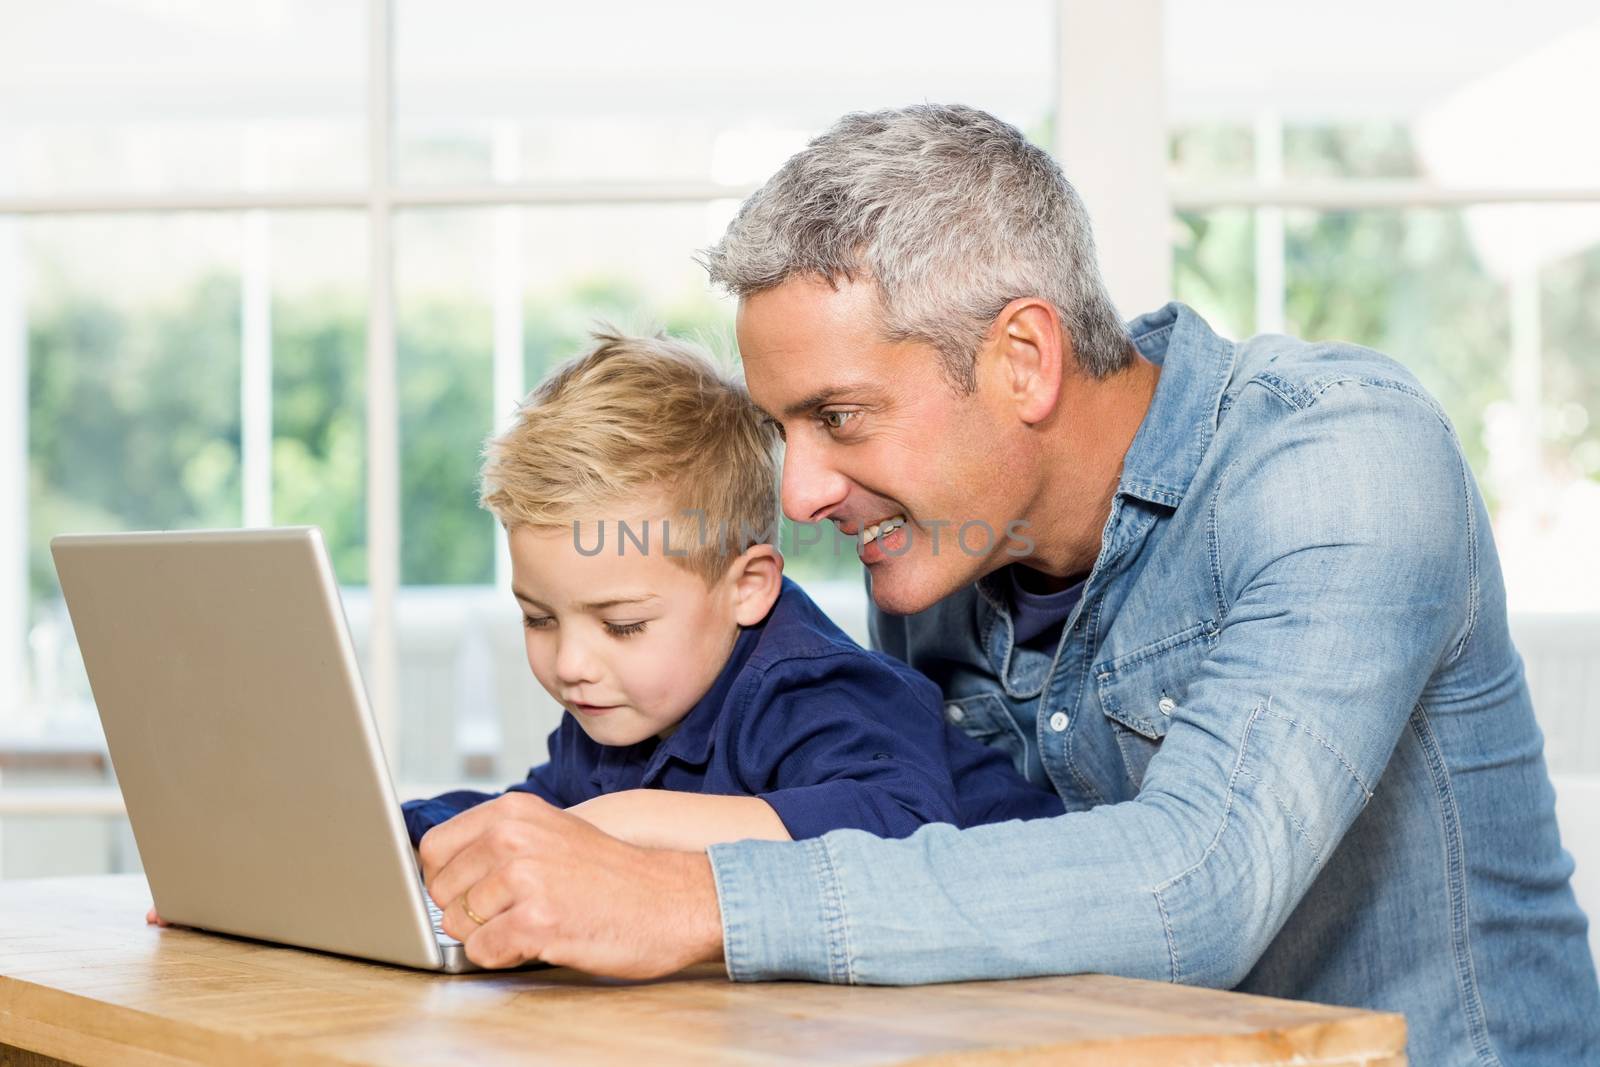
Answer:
[(811, 486)]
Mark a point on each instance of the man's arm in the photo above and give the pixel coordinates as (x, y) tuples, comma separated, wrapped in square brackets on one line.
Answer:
[(665, 818)]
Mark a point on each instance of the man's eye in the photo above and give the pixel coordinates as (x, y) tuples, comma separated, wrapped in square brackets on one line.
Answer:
[(537, 622), (835, 420), (624, 629)]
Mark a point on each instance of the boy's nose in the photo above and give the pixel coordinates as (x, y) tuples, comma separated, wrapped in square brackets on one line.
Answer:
[(575, 665)]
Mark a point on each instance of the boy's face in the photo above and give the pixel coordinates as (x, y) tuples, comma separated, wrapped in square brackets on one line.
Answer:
[(628, 644)]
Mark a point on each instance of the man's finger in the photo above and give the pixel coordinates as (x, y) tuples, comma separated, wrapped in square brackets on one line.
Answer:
[(497, 844), (477, 905), (441, 844), (512, 937)]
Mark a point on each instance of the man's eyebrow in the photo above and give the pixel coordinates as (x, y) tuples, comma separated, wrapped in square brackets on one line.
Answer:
[(826, 395)]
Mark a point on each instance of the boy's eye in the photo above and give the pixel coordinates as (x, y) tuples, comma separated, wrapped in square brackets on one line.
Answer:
[(537, 622), (624, 629)]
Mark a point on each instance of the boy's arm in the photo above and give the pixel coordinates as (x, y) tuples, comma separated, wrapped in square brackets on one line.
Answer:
[(829, 743), (664, 818), (848, 741)]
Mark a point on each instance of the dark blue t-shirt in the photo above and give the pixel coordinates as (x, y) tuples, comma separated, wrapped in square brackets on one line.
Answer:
[(831, 735), (1037, 618)]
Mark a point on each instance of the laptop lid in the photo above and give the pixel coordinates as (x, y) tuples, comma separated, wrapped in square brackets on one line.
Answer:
[(241, 737)]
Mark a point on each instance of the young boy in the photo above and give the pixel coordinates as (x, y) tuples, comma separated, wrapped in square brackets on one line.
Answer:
[(707, 698)]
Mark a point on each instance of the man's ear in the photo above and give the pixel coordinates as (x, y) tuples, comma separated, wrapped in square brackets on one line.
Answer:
[(1029, 354), (756, 579)]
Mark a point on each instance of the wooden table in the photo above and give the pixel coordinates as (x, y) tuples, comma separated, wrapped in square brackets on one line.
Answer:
[(84, 980)]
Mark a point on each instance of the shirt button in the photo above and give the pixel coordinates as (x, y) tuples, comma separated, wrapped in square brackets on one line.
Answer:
[(1058, 721), (954, 713), (1166, 704)]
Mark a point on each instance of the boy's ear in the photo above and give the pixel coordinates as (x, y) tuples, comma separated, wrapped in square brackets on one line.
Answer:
[(757, 577)]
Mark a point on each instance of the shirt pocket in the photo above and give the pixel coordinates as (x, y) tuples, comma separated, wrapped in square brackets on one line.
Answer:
[(985, 718), (1140, 691)]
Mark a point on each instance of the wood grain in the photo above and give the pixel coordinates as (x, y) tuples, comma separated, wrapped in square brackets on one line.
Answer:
[(84, 980)]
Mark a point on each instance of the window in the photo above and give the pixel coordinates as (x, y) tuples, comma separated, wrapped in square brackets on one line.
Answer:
[(291, 262)]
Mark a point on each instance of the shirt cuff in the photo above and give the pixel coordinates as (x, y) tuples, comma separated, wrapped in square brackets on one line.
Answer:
[(782, 911)]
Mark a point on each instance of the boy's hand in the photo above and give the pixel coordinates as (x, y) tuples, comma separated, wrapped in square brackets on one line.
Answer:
[(153, 919)]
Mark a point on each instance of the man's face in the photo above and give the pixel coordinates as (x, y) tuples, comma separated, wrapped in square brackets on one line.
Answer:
[(876, 433), (627, 644)]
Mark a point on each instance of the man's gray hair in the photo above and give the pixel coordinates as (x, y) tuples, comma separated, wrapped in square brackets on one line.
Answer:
[(949, 211)]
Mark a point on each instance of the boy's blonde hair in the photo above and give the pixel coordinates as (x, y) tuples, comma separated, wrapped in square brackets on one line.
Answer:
[(641, 420)]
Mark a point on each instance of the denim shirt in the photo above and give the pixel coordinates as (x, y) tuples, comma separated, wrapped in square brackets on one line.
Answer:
[(828, 733), (1293, 738)]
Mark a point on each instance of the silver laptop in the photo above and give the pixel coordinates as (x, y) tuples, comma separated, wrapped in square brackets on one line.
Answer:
[(240, 734)]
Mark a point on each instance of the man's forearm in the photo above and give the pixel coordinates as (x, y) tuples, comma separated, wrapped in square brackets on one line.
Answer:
[(700, 911), (660, 818)]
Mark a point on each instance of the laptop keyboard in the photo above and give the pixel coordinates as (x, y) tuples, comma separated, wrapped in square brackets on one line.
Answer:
[(437, 918)]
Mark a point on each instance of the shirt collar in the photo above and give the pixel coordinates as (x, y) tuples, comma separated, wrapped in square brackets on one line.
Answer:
[(1196, 366)]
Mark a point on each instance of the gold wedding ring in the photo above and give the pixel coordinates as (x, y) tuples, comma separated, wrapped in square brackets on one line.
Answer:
[(474, 916)]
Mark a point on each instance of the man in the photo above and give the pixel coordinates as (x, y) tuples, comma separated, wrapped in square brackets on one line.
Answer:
[(1238, 604)]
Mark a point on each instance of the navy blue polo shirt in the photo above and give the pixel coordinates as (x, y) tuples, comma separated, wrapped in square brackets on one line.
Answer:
[(831, 735)]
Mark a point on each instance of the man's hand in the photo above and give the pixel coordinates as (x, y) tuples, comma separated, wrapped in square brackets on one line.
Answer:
[(550, 886)]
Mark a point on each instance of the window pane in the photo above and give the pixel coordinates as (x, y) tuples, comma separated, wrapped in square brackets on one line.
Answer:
[(1569, 291), (1344, 150), (1410, 284), (319, 342), (444, 323), (1552, 532), (142, 96), (1214, 268), (135, 327), (493, 89), (1210, 151), (59, 846), (1493, 99)]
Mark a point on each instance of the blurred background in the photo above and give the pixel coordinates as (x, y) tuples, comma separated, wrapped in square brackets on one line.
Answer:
[(284, 262)]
